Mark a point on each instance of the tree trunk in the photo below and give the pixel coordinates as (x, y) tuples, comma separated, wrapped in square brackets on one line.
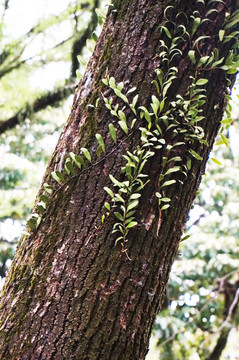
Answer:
[(231, 300), (70, 292), (220, 345)]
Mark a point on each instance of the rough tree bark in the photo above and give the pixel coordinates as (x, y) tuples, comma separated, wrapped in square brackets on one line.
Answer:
[(70, 292)]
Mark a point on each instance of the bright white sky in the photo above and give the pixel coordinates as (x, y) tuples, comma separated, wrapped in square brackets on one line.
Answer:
[(23, 14)]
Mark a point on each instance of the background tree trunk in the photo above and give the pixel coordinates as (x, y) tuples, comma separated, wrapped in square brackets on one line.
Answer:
[(70, 292)]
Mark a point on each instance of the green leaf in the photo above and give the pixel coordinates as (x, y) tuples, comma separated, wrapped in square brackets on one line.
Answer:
[(195, 155), (225, 67), (82, 60), (220, 142), (133, 123), (132, 205), (145, 113), (165, 199), (115, 181), (112, 83), (41, 207), (113, 133), (48, 188), (191, 55), (118, 216), (216, 161), (166, 32), (99, 151), (135, 99), (216, 63), (31, 224), (78, 74), (105, 82), (130, 213), (118, 239), (124, 98), (107, 205), (165, 90), (86, 154), (120, 86), (147, 116), (202, 81), (164, 207), (176, 158), (57, 176), (123, 126), (77, 160), (122, 207), (168, 183), (44, 198), (199, 39), (131, 224), (122, 116), (129, 219), (155, 104), (109, 191), (225, 140), (120, 95), (203, 141), (100, 142), (69, 166), (119, 198), (101, 13), (156, 85), (185, 238), (131, 90), (226, 121), (135, 196), (172, 170), (189, 163), (211, 11), (196, 24), (202, 60), (180, 143), (232, 70), (234, 19), (94, 36)]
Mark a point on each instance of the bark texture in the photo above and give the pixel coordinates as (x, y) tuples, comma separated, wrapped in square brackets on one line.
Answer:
[(70, 292)]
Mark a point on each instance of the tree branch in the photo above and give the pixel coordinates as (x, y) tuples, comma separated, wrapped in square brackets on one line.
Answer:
[(220, 345), (2, 241), (51, 98), (225, 328), (14, 65), (80, 42), (19, 45)]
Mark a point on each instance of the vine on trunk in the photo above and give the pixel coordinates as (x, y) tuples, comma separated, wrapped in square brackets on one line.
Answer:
[(171, 127)]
